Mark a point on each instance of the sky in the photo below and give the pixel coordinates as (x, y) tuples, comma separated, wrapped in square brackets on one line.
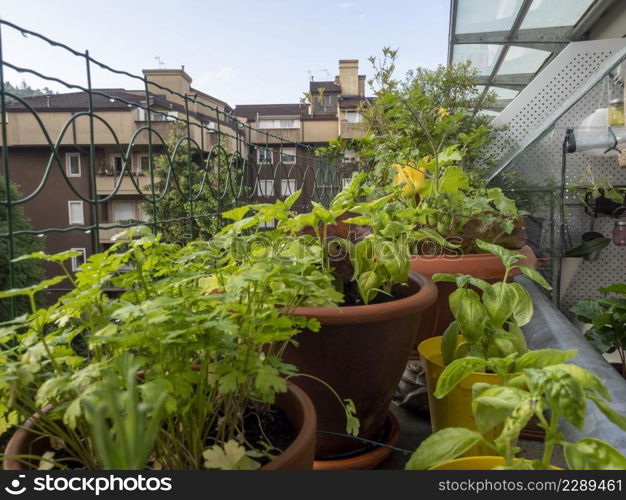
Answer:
[(240, 51)]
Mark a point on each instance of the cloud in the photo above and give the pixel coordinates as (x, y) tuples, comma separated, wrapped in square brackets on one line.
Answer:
[(345, 5)]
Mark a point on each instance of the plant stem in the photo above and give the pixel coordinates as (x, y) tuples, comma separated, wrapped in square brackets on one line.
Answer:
[(550, 441)]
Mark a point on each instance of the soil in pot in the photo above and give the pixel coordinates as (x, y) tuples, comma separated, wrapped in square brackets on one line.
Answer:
[(361, 352), (289, 425), (485, 266)]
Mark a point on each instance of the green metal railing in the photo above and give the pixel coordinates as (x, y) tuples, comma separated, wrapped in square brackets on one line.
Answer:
[(224, 174)]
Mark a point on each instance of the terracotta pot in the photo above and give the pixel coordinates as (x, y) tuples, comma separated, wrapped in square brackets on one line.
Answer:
[(485, 266), (361, 352), (298, 456)]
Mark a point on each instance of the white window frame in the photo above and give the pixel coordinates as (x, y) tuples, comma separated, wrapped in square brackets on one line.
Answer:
[(291, 152), (139, 168), (113, 156), (68, 164), (268, 224), (119, 202), (357, 114), (75, 265), (288, 187), (258, 155), (345, 181), (278, 123), (264, 191), (69, 212), (141, 115)]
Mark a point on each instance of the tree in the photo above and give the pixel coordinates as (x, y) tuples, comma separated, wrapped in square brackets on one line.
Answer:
[(27, 272), (211, 193), (25, 90)]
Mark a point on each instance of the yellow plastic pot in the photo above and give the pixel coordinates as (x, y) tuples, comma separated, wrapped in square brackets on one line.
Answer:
[(474, 463), (454, 410)]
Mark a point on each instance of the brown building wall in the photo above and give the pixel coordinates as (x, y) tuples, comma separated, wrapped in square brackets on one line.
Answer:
[(49, 208)]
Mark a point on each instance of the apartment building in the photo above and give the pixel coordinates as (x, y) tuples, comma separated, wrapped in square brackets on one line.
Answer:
[(60, 162), (285, 136)]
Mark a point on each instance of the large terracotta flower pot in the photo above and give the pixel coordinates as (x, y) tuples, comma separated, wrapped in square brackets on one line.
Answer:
[(361, 352), (298, 456), (485, 266)]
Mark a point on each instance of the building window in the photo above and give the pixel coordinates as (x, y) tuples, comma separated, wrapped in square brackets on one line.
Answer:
[(353, 117), (349, 156), (267, 224), (72, 164), (78, 260), (75, 209), (123, 211), (284, 123), (264, 155), (345, 181), (144, 164), (141, 115), (265, 188), (327, 101), (287, 187), (116, 163), (288, 155)]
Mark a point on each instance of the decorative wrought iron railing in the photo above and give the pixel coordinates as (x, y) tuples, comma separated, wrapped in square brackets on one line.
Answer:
[(179, 161)]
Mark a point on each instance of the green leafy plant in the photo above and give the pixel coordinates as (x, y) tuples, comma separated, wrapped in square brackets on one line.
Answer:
[(607, 316), (563, 389), (364, 245), (486, 332), (424, 134), (185, 183), (589, 186), (206, 338), (423, 114), (24, 273)]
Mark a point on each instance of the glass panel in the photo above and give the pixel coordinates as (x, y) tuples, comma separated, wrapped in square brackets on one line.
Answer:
[(502, 93), (74, 165), (123, 210), (476, 16), (265, 187), (550, 13), (482, 56), (522, 60), (287, 187), (76, 212)]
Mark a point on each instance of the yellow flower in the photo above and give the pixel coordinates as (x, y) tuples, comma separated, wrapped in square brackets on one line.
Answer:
[(443, 112), (411, 179)]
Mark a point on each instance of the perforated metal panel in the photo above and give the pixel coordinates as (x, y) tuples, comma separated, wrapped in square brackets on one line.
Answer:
[(540, 164)]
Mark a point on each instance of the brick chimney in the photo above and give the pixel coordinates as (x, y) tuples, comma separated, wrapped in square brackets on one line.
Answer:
[(174, 79), (362, 85), (349, 76)]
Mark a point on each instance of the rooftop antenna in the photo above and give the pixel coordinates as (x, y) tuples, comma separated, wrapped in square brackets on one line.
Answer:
[(310, 74), (159, 62)]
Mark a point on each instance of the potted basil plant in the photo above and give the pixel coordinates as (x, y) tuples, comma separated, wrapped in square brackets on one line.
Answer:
[(561, 389), (484, 343)]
